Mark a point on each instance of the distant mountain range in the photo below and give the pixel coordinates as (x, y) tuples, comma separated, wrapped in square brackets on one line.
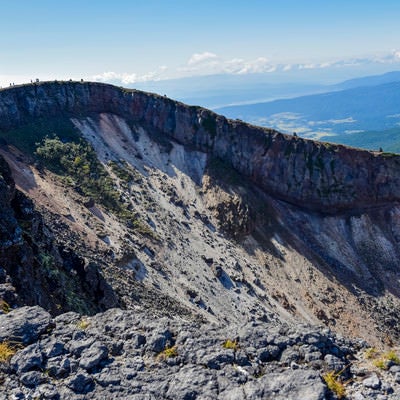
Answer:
[(363, 112), (374, 80), (214, 91)]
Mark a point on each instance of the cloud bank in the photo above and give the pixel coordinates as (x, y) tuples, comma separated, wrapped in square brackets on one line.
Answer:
[(209, 63)]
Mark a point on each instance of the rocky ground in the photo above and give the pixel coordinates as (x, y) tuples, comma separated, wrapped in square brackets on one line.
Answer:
[(129, 355)]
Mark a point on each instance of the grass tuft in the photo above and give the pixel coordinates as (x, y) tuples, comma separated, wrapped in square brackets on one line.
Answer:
[(370, 353), (392, 356), (231, 344), (332, 381), (169, 352), (6, 351), (380, 363), (4, 306), (382, 360), (83, 324)]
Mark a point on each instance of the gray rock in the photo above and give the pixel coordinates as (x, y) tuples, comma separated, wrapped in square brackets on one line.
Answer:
[(47, 391), (131, 368), (108, 377), (288, 385), (294, 365), (386, 388), (53, 348), (232, 394), (78, 335), (269, 353), (27, 359), (216, 360), (17, 394), (32, 379), (116, 348), (93, 356), (159, 341), (128, 373), (190, 382), (59, 367), (289, 355), (334, 363), (274, 352), (372, 382), (76, 347), (312, 356), (67, 318), (394, 369), (135, 363), (81, 383), (242, 359), (24, 325)]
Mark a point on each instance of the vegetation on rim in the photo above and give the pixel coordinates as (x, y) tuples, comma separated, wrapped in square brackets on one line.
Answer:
[(78, 164), (26, 136)]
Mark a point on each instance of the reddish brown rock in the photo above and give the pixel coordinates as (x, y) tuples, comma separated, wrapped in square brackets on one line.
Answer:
[(312, 175)]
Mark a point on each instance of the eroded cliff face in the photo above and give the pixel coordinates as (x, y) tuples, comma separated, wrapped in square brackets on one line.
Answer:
[(237, 223), (36, 266), (312, 175)]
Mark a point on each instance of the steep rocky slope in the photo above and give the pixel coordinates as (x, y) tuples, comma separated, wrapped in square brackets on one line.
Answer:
[(211, 220)]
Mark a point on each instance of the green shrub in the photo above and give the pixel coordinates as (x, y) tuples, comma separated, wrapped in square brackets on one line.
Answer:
[(77, 164), (78, 161), (122, 172)]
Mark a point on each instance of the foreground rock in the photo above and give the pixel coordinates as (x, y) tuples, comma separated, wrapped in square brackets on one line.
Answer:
[(24, 325), (126, 355)]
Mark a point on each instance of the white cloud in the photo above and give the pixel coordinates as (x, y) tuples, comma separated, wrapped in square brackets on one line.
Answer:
[(258, 65), (234, 65), (206, 63), (128, 78), (200, 58), (209, 63)]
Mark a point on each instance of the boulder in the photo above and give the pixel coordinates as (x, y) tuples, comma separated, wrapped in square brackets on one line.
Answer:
[(24, 325)]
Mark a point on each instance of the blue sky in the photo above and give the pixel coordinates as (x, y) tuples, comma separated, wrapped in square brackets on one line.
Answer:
[(130, 41)]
